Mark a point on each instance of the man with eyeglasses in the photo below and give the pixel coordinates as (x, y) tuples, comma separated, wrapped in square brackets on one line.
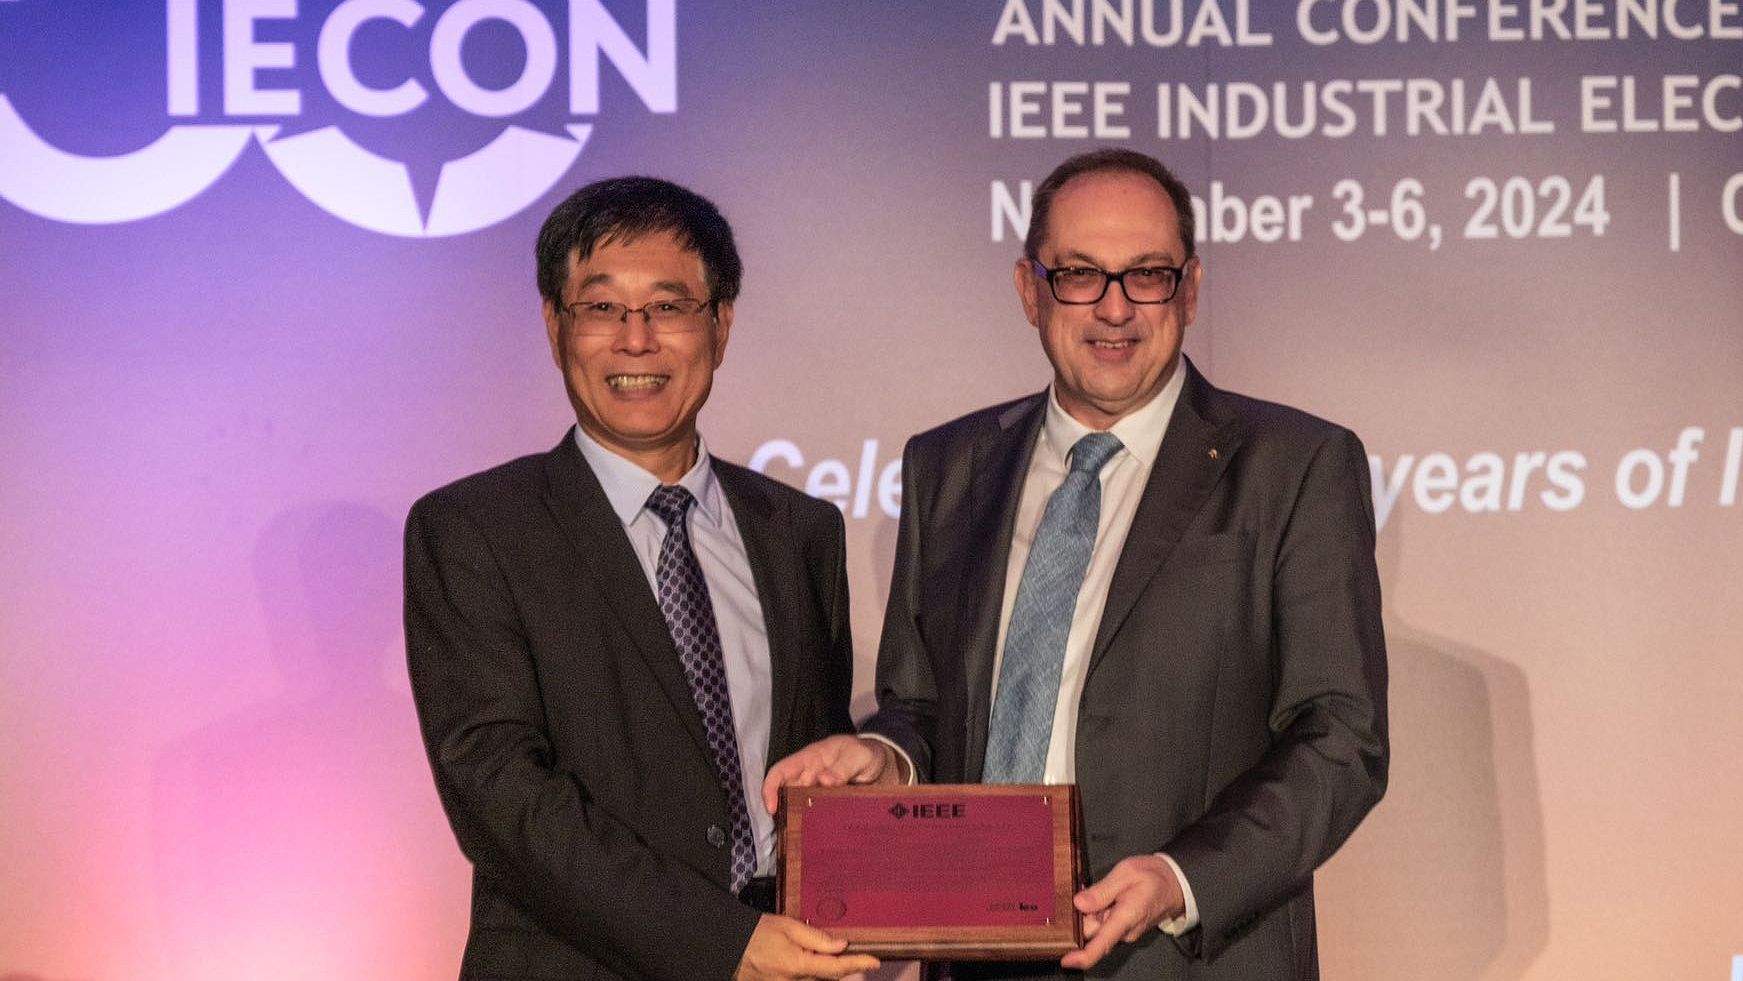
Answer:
[(1139, 583), (609, 641)]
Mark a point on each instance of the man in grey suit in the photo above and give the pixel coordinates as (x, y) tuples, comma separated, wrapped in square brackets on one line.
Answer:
[(609, 641), (1136, 582)]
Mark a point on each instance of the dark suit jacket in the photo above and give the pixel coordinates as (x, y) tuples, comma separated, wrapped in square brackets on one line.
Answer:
[(1234, 711), (566, 746)]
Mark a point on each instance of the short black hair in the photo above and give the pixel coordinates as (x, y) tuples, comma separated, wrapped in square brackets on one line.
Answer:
[(626, 208), (1099, 161)]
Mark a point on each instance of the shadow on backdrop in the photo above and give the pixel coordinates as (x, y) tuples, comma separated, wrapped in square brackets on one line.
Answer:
[(301, 838), (1446, 878)]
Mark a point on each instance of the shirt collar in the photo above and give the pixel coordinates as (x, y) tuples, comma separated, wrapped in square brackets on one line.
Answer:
[(1140, 431), (627, 486)]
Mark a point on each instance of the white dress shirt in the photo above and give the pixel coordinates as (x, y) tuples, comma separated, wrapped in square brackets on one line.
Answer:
[(1122, 485), (732, 591)]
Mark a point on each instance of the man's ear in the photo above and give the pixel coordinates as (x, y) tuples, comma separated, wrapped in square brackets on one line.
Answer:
[(554, 331), (1189, 283), (1028, 283), (722, 329)]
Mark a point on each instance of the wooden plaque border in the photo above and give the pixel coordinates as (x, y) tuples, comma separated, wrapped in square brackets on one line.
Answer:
[(1063, 934)]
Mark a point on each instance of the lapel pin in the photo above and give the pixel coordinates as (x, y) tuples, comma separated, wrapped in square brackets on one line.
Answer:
[(1213, 455)]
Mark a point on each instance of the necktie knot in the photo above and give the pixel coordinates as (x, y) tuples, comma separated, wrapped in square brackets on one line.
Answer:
[(671, 502), (1092, 452)]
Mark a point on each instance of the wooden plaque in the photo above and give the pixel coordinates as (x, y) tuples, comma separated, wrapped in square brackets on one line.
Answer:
[(934, 872)]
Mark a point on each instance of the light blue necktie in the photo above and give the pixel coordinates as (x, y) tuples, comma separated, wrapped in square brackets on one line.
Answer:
[(1028, 692)]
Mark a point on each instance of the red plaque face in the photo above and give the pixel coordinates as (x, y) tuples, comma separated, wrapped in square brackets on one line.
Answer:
[(948, 871), (928, 861)]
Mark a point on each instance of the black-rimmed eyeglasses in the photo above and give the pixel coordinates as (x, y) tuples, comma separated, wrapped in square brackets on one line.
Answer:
[(1088, 284)]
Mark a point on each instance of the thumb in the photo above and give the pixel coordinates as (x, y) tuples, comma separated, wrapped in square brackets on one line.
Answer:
[(813, 939), (772, 783), (1096, 898)]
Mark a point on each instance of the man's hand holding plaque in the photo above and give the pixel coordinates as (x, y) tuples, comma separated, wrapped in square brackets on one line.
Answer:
[(835, 762), (1138, 895), (783, 949)]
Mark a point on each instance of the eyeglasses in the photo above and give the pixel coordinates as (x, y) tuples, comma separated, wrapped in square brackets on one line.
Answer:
[(662, 316), (1087, 284)]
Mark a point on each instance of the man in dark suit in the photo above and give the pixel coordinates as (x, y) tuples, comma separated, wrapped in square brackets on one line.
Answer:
[(608, 642), (1137, 582)]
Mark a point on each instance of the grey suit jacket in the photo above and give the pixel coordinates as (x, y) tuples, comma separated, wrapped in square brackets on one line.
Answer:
[(566, 746), (1234, 711)]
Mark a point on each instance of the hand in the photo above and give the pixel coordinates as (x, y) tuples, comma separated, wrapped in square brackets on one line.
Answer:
[(832, 762), (1137, 895), (783, 949)]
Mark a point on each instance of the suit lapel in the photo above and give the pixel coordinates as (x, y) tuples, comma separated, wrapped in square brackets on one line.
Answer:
[(1195, 450), (777, 574), (1000, 463), (579, 506)]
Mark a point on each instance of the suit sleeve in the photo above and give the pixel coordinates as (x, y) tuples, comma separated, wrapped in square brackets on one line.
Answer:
[(1266, 832), (907, 688), (527, 826)]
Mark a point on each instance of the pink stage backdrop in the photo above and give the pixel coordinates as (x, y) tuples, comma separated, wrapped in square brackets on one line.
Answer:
[(266, 277)]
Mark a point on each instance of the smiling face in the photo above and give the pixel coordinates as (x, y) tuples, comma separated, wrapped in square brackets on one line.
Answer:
[(637, 392), (1110, 357)]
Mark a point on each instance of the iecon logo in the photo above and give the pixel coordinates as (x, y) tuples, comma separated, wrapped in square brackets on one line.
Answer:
[(483, 186)]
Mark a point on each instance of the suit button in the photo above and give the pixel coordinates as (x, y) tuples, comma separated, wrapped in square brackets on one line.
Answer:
[(716, 837)]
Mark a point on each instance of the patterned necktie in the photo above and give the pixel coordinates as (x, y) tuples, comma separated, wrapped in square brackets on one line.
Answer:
[(1028, 693), (683, 595)]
